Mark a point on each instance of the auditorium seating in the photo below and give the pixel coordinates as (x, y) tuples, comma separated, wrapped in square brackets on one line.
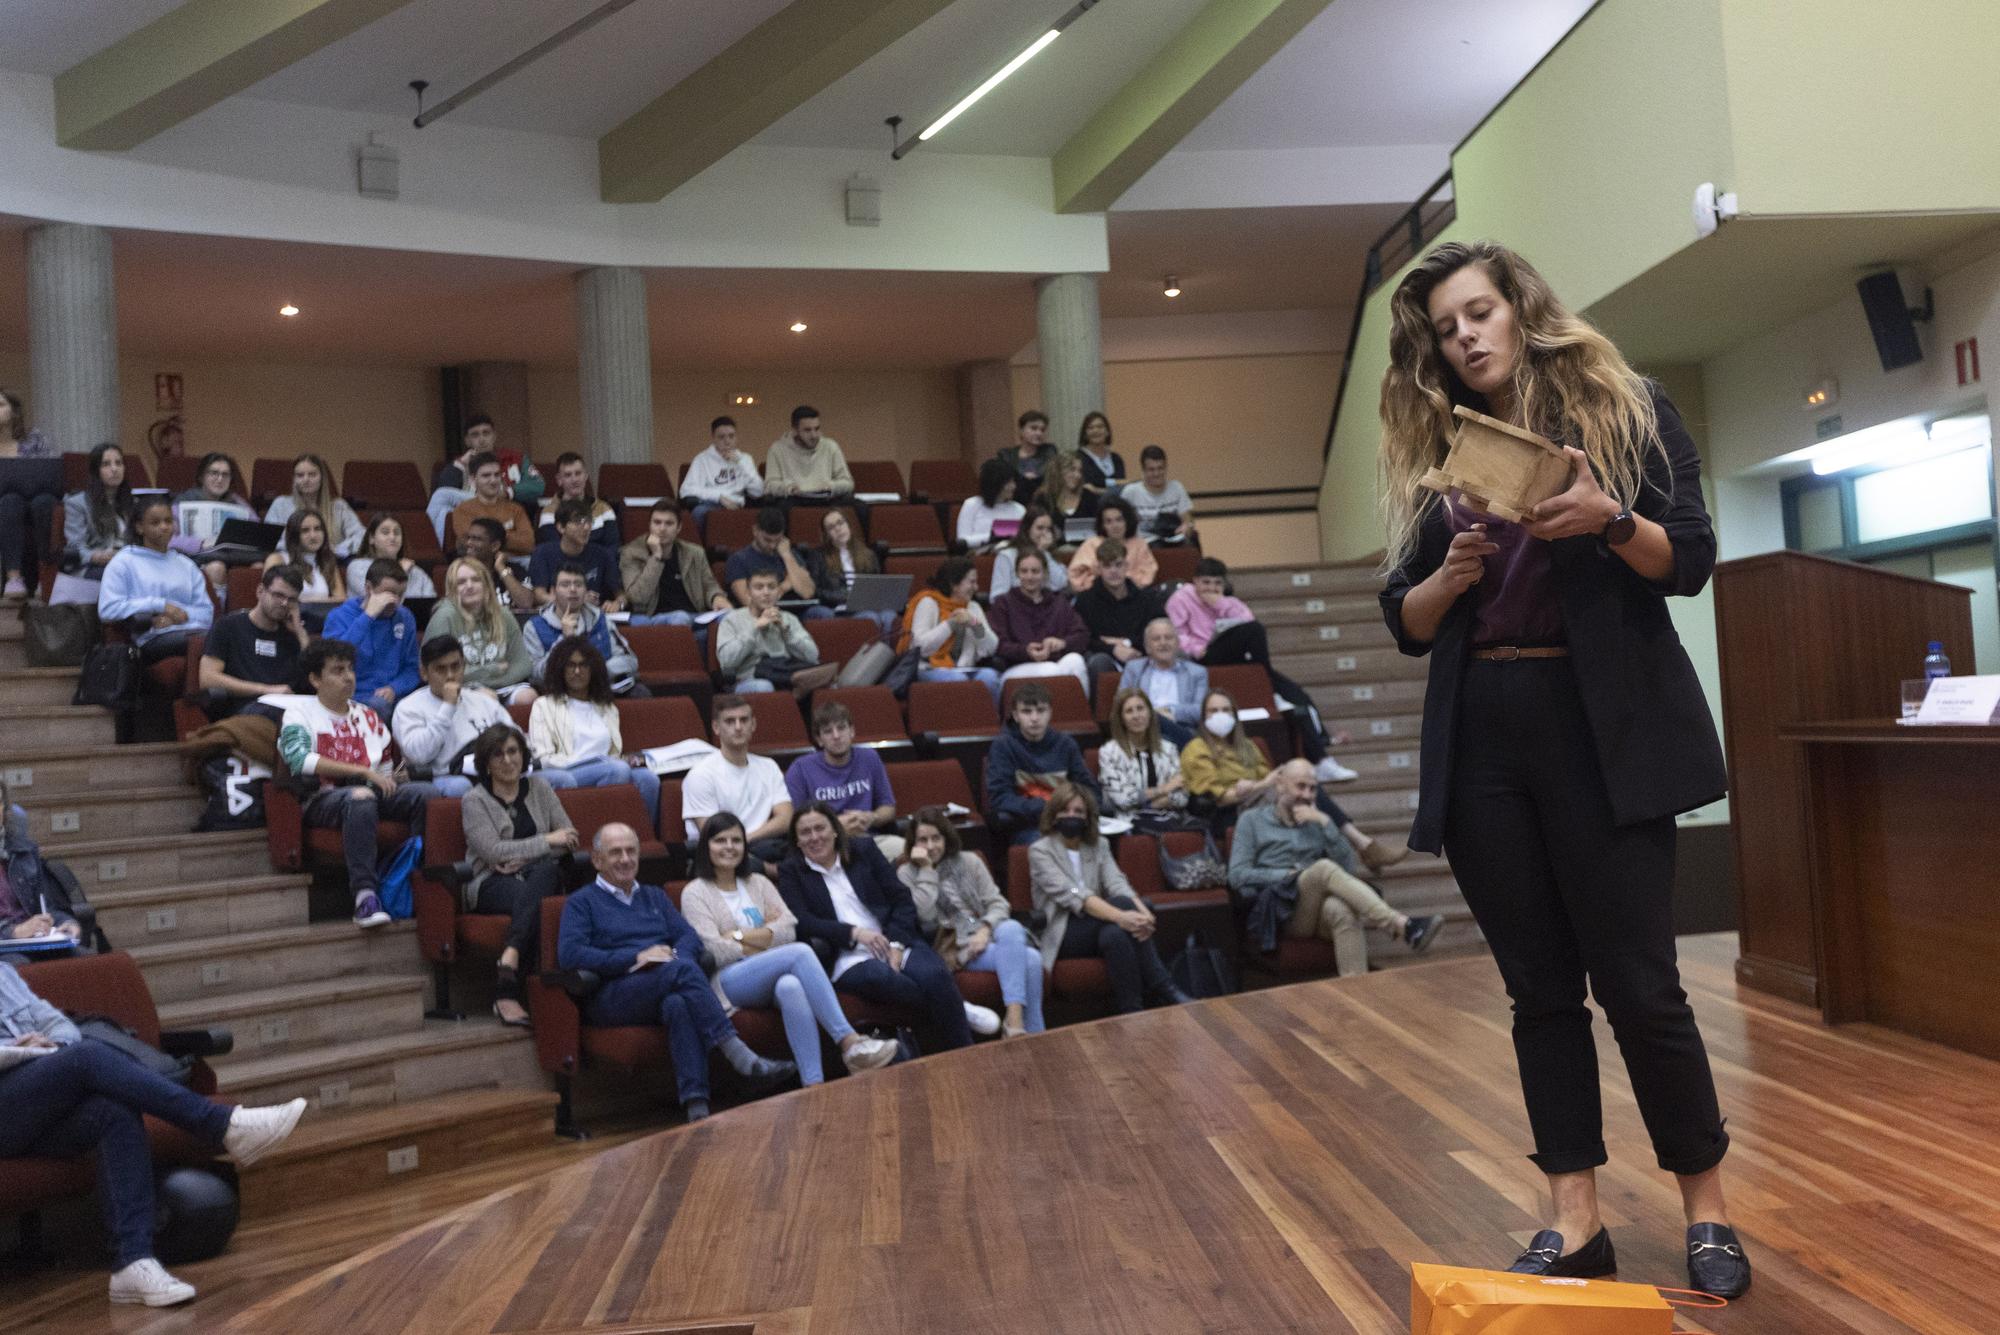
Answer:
[(906, 529), (727, 531), (661, 721), (1073, 978), (445, 930), (923, 783), (179, 473), (269, 479), (878, 717), (296, 847), (420, 542), (804, 525), (781, 732), (371, 486), (670, 662), (942, 480), (76, 472), (1070, 712), (1177, 563), (841, 638), (615, 482), (877, 477)]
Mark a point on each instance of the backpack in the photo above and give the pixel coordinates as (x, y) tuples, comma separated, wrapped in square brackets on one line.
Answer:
[(1202, 971), (58, 634), (235, 789), (393, 877)]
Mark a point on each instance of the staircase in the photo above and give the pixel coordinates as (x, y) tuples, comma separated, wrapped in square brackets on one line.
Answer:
[(320, 1010), (1326, 633)]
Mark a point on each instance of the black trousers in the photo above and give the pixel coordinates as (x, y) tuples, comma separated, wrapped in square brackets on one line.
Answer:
[(520, 897), (1134, 965), (1567, 897), (1247, 643)]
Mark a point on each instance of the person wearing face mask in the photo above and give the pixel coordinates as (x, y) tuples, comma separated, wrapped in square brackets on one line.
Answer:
[(1090, 908)]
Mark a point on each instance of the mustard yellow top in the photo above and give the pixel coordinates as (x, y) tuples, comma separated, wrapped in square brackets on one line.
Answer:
[(1212, 769)]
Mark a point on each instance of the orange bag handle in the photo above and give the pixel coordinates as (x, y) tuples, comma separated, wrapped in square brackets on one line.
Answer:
[(1711, 1301)]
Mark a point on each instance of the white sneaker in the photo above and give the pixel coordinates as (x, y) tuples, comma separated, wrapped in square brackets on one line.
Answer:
[(982, 1020), (16, 587), (869, 1054), (146, 1281), (1330, 770), (254, 1132)]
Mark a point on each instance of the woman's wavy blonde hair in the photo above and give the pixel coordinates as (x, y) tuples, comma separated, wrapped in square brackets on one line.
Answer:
[(1570, 382)]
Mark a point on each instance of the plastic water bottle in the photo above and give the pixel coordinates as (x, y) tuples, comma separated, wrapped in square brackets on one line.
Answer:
[(1935, 663)]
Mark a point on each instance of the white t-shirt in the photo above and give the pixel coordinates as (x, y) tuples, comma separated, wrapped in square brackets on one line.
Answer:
[(847, 907), (748, 916), (976, 519), (590, 736), (749, 792), (1174, 500)]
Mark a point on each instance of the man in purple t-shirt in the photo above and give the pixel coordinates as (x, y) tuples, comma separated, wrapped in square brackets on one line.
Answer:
[(852, 782)]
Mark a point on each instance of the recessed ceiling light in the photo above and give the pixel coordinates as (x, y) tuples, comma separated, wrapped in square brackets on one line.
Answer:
[(1173, 287), (288, 310), (798, 326)]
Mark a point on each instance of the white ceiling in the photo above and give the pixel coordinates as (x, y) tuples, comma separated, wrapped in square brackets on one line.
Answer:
[(48, 36)]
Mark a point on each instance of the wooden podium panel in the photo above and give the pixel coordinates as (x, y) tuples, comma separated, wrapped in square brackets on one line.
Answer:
[(1806, 639)]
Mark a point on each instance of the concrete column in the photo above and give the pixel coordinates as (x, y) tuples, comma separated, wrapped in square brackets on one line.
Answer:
[(72, 336), (1070, 342), (985, 409), (614, 366)]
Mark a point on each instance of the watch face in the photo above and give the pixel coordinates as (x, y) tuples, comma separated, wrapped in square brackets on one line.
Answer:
[(1621, 529)]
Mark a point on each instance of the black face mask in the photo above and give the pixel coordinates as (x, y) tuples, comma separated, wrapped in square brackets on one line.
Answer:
[(1071, 827)]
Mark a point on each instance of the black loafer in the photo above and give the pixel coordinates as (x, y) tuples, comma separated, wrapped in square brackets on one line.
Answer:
[(1716, 1263), (1594, 1260)]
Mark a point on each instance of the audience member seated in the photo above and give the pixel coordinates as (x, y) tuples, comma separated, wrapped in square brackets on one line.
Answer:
[(216, 497), (255, 652), (994, 504), (1103, 467), (334, 739), (384, 542), (852, 783), (1116, 520), (854, 912), (569, 615), (1031, 453), (1117, 612), (86, 1097), (24, 519), (1175, 683), (667, 581), (574, 546), (524, 481), (1039, 533), (384, 636), (762, 647), (26, 883), (497, 657), (573, 484), (1141, 770), (518, 834), (1064, 493), (161, 592), (95, 523), (968, 918), (1026, 763), (485, 541), (751, 787), (722, 477), (947, 627), (649, 959), (307, 550), (436, 727), (771, 550), (491, 499), (1215, 627), (313, 492), (1165, 509), (573, 731), (840, 556), (451, 481), (805, 463), (1089, 907), (759, 961), (1298, 874), (1040, 632)]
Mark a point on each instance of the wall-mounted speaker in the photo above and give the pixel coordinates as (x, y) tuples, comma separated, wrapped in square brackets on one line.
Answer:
[(1891, 319)]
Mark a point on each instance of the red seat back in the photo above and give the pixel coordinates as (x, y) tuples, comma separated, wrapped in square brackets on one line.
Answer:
[(877, 475), (1247, 683), (241, 587), (943, 480), (444, 832), (841, 638), (918, 568), (906, 528), (780, 729), (983, 563), (952, 709), (617, 481), (923, 783), (179, 472), (1019, 887), (1107, 690), (673, 827), (878, 718), (269, 479), (383, 484), (658, 722), (591, 809), (1071, 712), (420, 539), (108, 985), (665, 648), (729, 530), (804, 526)]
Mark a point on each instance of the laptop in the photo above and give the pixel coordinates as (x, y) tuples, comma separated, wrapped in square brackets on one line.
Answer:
[(244, 540), (1076, 529), (1005, 530), (879, 593)]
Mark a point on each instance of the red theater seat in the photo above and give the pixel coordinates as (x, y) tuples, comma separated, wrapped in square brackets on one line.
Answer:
[(617, 481), (877, 477), (1070, 711), (373, 485), (942, 480), (661, 721), (878, 717), (670, 661), (841, 638), (906, 528)]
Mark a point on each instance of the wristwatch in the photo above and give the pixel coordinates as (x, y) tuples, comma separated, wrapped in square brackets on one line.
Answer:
[(1618, 530), (737, 936)]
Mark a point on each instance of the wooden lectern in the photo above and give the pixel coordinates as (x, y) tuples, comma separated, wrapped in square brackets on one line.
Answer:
[(1804, 639)]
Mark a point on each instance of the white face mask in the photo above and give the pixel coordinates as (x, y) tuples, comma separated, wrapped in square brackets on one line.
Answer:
[(1221, 723)]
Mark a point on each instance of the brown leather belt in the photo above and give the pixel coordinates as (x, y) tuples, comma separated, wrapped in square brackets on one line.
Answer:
[(1507, 653)]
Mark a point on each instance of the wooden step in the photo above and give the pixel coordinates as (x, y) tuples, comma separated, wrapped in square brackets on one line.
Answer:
[(328, 1158), (102, 814), (1305, 581), (1376, 758), (1335, 665), (304, 1015), (440, 1057), (1326, 636), (13, 653), (38, 686), (1365, 802), (1341, 609), (1348, 700), (42, 727), (85, 769), (1383, 729), (181, 859), (150, 914), (258, 961)]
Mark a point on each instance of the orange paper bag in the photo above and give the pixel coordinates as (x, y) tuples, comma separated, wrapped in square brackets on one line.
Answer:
[(1446, 1300)]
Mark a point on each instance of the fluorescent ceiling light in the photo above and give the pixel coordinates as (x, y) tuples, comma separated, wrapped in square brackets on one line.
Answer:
[(1904, 441), (991, 83)]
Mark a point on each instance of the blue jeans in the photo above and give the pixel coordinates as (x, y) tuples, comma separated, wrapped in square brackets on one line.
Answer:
[(1020, 968), (985, 676), (450, 785), (356, 810), (661, 619), (676, 995), (924, 989), (793, 978), (753, 686), (91, 1097), (608, 772)]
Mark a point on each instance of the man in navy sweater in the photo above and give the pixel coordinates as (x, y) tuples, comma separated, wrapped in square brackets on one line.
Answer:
[(649, 957), (1026, 762), (384, 636)]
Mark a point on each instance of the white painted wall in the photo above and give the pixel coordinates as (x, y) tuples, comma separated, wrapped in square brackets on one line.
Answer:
[(1278, 177)]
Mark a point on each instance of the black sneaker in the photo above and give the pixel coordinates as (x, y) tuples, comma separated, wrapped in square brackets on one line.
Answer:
[(1716, 1263), (1420, 932), (1594, 1260)]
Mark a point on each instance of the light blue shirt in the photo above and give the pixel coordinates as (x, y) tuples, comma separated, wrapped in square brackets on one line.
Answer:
[(622, 896), (140, 582), (22, 1012)]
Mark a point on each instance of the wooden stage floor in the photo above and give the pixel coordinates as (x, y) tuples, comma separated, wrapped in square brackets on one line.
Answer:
[(1269, 1162)]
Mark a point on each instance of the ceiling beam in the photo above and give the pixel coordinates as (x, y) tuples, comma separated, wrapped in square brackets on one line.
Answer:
[(191, 58), (776, 67), (1223, 45)]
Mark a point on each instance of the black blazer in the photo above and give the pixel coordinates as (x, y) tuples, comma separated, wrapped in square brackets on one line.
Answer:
[(804, 891), (1656, 741)]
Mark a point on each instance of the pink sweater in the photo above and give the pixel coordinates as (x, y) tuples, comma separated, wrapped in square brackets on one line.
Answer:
[(1194, 620)]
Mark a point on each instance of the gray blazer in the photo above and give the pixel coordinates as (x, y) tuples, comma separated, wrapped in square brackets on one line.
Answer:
[(81, 536), (1059, 892), (489, 830)]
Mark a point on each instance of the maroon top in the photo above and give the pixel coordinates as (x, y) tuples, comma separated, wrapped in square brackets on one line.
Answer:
[(1020, 623), (1516, 602)]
